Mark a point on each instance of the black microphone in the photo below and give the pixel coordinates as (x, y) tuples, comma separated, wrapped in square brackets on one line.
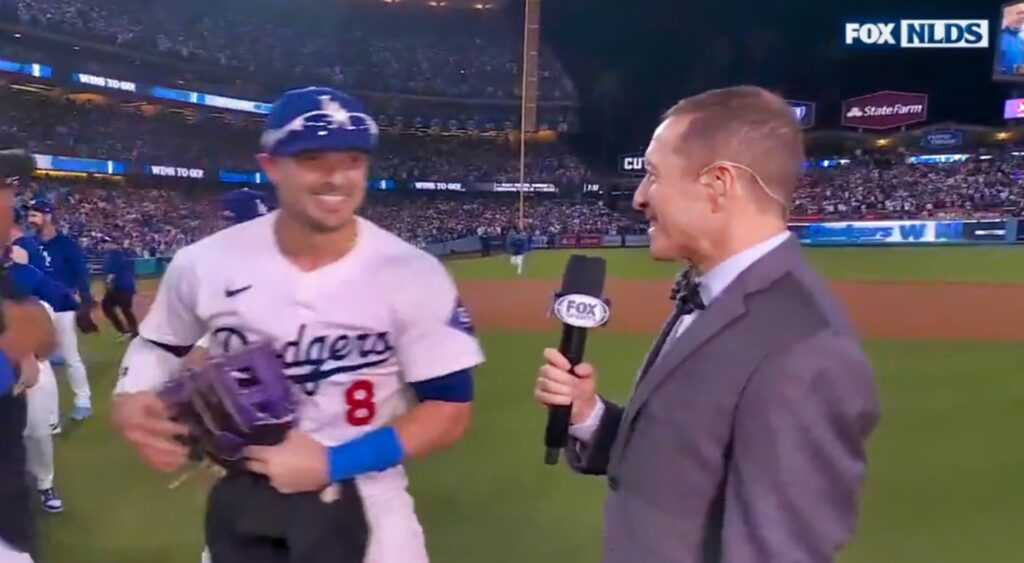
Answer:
[(580, 307)]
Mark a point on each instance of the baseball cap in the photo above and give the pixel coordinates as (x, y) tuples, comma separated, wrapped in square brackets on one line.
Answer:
[(318, 119), (239, 206), (15, 164), (42, 205)]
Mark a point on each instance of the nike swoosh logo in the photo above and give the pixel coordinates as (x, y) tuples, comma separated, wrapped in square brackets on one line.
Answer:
[(234, 292)]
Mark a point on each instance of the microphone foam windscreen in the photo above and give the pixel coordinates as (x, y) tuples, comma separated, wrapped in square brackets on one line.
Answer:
[(584, 275)]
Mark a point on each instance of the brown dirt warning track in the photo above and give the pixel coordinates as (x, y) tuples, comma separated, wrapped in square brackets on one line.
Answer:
[(980, 312)]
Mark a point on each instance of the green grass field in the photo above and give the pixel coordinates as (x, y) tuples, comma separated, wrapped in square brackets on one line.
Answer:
[(943, 486), (988, 264)]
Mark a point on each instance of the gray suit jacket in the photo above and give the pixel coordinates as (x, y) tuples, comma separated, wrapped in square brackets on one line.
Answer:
[(744, 442)]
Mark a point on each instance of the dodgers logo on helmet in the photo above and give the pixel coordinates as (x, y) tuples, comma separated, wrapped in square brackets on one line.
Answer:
[(318, 119), (244, 205)]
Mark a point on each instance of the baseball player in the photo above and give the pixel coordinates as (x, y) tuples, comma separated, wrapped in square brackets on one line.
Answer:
[(517, 246), (67, 267), (26, 331), (370, 329), (24, 247), (43, 399), (119, 293)]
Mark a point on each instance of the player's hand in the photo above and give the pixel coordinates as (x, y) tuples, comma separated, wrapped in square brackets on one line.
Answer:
[(297, 465), (146, 424), (556, 386), (30, 330), (29, 375), (19, 255)]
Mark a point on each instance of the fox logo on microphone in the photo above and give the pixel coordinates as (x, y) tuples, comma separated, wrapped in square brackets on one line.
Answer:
[(910, 34), (582, 311)]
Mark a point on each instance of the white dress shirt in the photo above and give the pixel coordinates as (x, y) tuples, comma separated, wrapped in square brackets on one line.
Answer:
[(712, 284)]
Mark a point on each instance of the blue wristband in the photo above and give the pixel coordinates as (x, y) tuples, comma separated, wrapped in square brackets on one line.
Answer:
[(374, 451), (7, 377)]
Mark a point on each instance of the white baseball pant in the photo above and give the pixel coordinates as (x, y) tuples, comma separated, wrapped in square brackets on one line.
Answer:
[(395, 533), (67, 345), (9, 555), (42, 413), (517, 261)]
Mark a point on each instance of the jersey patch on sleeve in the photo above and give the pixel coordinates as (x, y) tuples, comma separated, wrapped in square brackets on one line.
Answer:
[(460, 319)]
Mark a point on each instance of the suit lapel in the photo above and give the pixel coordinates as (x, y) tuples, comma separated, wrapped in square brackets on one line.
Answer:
[(725, 309)]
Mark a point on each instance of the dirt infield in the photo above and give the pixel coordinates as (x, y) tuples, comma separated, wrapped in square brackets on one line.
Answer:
[(986, 312), (982, 312)]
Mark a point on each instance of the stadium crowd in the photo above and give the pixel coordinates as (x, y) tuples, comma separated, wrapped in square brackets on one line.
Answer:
[(58, 125), (157, 220), (61, 126), (863, 188), (369, 46)]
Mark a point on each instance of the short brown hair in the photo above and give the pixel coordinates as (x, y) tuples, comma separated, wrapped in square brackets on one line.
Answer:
[(747, 125)]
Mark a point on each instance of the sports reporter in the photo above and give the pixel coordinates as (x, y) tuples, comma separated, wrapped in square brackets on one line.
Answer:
[(743, 441)]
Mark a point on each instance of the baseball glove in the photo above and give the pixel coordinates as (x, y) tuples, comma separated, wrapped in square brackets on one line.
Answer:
[(83, 318), (85, 322), (233, 401)]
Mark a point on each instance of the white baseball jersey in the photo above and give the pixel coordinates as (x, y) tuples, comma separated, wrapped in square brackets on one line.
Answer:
[(351, 334)]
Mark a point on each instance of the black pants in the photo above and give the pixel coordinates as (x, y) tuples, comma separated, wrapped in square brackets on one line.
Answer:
[(17, 525), (115, 299), (247, 521)]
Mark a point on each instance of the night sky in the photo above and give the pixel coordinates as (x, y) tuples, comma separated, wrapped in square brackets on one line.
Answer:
[(632, 59)]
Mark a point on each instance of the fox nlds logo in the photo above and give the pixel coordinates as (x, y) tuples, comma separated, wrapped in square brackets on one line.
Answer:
[(911, 34)]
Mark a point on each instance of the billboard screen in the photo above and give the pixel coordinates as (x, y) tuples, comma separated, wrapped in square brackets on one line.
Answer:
[(942, 139), (880, 232), (804, 112), (1009, 44), (632, 164), (1014, 109), (885, 110)]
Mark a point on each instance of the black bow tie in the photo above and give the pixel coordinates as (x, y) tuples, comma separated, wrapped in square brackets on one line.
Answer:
[(686, 293)]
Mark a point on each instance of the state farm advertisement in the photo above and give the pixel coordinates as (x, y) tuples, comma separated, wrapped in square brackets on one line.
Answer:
[(885, 110)]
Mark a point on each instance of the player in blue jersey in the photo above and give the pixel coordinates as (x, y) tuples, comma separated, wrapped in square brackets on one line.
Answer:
[(518, 245), (25, 248), (26, 332), (43, 399), (67, 267), (119, 275)]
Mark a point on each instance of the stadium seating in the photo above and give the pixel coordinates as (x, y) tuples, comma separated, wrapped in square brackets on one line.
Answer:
[(51, 124), (866, 188), (372, 46)]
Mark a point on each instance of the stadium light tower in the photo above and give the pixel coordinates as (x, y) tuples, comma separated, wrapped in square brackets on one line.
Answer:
[(528, 118)]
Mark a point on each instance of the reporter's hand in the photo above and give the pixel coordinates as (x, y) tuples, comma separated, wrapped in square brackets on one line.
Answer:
[(556, 386), (145, 423)]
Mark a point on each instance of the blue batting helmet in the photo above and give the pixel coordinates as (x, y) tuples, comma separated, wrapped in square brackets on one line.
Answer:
[(315, 120), (239, 206), (41, 205)]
